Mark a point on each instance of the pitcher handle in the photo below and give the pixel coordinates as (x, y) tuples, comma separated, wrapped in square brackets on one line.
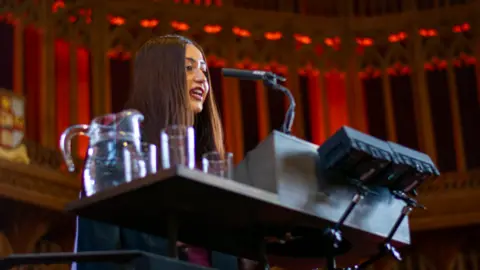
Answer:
[(66, 144)]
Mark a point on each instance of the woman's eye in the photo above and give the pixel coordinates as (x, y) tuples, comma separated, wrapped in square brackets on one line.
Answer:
[(189, 68)]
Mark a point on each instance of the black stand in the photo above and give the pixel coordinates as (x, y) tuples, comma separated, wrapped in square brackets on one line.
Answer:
[(271, 80), (386, 247), (118, 256), (123, 259), (334, 234)]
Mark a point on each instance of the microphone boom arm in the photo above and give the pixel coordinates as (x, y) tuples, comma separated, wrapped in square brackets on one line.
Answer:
[(271, 80)]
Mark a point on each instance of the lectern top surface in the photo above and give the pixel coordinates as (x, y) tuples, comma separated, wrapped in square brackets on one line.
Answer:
[(211, 212), (179, 172)]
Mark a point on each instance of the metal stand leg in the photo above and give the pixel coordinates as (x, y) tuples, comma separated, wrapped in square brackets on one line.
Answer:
[(263, 255), (386, 247), (335, 235), (331, 263), (172, 237)]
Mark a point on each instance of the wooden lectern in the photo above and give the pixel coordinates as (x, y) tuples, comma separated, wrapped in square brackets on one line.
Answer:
[(277, 191)]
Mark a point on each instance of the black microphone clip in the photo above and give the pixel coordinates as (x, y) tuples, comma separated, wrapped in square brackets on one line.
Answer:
[(271, 78)]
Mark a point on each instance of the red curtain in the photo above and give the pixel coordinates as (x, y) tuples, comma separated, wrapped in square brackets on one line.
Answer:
[(248, 95), (84, 90), (6, 55), (316, 110), (217, 88), (303, 84), (62, 90), (32, 60), (440, 109), (403, 110), (62, 85), (467, 94), (336, 100), (375, 107)]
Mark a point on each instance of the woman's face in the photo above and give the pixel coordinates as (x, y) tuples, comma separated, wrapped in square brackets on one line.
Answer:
[(197, 82)]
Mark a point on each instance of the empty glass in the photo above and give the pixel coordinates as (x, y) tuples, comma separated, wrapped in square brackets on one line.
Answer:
[(149, 152), (218, 164), (134, 167), (178, 146)]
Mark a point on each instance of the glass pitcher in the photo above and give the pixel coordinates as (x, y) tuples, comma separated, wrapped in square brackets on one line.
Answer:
[(114, 154)]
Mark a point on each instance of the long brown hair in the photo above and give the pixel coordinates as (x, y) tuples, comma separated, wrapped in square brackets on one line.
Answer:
[(159, 93)]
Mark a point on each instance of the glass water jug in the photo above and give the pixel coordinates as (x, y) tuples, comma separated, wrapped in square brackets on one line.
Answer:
[(114, 154)]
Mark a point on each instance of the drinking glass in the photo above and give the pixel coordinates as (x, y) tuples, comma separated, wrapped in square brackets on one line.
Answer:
[(149, 152), (134, 166), (218, 164), (178, 146)]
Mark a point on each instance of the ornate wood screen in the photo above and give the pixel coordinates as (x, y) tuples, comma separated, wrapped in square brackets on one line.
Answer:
[(402, 70)]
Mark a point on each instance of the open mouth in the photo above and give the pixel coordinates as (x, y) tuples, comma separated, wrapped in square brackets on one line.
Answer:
[(197, 93)]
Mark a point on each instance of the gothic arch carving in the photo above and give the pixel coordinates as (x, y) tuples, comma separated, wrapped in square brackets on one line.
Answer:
[(83, 32), (5, 247), (212, 47), (409, 262), (371, 58), (62, 29), (120, 37), (434, 48), (332, 59), (143, 35), (22, 8), (397, 54), (306, 56), (161, 29), (458, 262), (9, 5), (460, 45), (245, 48), (269, 53)]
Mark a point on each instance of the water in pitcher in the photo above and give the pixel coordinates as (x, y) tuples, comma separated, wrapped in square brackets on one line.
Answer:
[(111, 163), (114, 155)]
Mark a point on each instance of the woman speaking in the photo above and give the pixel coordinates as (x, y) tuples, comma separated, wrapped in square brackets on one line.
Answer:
[(171, 87)]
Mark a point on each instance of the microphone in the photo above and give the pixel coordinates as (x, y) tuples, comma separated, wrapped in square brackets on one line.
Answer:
[(270, 80), (252, 75)]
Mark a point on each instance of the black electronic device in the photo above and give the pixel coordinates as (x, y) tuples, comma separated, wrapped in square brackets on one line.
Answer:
[(370, 163), (409, 168), (355, 155)]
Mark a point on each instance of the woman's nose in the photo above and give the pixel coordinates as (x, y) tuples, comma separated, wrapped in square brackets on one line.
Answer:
[(199, 77)]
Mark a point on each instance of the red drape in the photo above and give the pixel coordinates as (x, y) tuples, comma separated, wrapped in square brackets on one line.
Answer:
[(336, 100), (216, 87), (62, 85), (467, 94), (316, 110), (442, 119), (248, 95), (6, 54), (403, 110), (83, 78), (32, 82), (375, 107)]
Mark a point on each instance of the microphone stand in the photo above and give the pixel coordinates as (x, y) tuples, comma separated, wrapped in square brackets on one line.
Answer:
[(271, 80)]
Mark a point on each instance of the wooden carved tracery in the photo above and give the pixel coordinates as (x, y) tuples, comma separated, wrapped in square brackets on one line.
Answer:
[(351, 38)]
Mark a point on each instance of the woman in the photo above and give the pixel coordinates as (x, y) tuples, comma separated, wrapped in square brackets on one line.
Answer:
[(171, 87)]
